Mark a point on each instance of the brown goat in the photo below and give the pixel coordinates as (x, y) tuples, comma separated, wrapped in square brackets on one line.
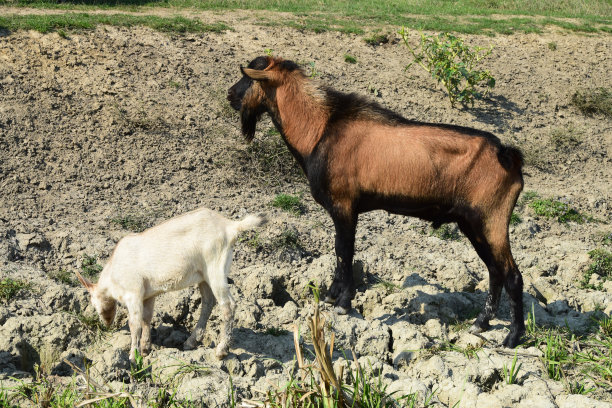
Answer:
[(359, 156)]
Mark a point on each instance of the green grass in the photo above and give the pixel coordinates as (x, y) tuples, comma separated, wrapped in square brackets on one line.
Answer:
[(63, 276), (358, 15), (601, 265), (574, 358), (275, 331), (447, 232), (566, 138), (130, 222), (289, 203), (90, 266), (10, 287), (556, 209), (591, 102), (84, 21), (350, 59)]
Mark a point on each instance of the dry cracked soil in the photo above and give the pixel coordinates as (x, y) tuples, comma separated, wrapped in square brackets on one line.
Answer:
[(117, 129)]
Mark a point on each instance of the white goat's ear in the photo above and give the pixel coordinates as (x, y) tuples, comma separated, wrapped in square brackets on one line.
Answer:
[(258, 74), (88, 285)]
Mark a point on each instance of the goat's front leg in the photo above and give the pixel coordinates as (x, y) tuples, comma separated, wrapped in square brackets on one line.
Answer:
[(147, 316), (207, 303), (342, 289), (135, 309)]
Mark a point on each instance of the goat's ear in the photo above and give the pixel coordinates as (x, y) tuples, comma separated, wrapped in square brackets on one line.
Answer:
[(257, 74), (88, 285)]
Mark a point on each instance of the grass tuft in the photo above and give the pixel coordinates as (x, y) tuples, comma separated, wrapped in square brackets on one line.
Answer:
[(556, 209), (10, 287), (90, 266), (289, 203), (593, 101), (601, 265), (350, 59)]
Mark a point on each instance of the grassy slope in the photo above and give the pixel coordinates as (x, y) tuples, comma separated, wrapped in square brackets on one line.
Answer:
[(471, 16)]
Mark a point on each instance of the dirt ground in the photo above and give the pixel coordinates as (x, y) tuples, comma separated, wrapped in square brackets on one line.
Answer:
[(103, 127)]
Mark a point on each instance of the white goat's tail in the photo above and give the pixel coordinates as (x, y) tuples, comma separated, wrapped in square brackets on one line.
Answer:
[(249, 222)]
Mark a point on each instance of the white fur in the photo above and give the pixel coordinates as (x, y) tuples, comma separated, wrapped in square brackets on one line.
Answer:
[(194, 248)]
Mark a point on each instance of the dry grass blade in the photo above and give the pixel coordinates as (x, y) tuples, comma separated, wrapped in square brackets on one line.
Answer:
[(101, 396)]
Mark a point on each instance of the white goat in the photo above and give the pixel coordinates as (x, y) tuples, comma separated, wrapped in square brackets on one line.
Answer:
[(193, 248)]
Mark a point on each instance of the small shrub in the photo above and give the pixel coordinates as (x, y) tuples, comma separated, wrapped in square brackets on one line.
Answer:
[(63, 276), (90, 266), (566, 138), (515, 219), (601, 265), (452, 63), (134, 223), (556, 209), (593, 101), (288, 203), (552, 46), (10, 287), (350, 59), (447, 232), (275, 331), (377, 39), (287, 239)]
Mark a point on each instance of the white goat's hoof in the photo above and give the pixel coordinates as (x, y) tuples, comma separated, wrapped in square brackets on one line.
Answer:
[(341, 310), (221, 353)]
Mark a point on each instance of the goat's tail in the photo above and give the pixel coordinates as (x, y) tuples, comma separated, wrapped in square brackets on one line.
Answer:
[(251, 221), (510, 157), (247, 223)]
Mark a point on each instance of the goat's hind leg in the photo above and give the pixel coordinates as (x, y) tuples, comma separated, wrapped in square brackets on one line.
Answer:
[(207, 304), (473, 231), (147, 316)]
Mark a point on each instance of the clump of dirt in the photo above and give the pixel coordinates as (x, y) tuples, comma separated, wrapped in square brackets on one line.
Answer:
[(121, 128)]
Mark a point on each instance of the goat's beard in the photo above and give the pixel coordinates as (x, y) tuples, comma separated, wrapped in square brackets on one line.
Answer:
[(249, 118)]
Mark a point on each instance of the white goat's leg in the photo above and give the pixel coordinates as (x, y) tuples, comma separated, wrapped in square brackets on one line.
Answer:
[(147, 316), (135, 308), (207, 303), (227, 305)]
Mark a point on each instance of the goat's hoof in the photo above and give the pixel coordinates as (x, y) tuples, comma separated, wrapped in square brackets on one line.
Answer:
[(189, 344), (330, 300), (341, 310), (221, 353), (513, 339)]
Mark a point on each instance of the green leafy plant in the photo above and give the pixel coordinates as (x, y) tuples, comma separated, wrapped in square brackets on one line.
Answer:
[(134, 223), (377, 39), (510, 374), (90, 266), (601, 265), (452, 63), (350, 59), (515, 219), (275, 331), (289, 203), (555, 355), (556, 209), (447, 232), (63, 276), (10, 287)]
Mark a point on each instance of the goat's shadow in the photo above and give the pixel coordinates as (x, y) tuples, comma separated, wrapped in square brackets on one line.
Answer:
[(452, 307)]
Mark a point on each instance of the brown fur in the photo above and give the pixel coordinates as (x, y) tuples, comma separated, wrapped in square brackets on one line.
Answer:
[(359, 157)]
